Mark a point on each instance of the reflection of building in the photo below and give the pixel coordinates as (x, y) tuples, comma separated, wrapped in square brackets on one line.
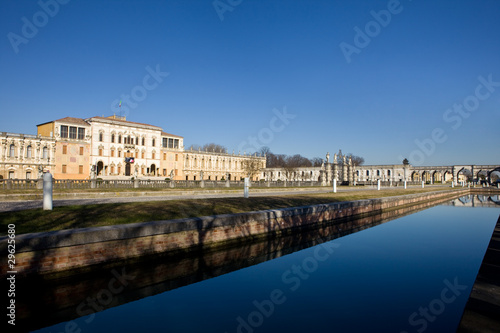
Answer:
[(112, 148)]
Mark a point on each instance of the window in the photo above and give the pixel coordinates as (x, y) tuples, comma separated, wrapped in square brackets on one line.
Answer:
[(72, 132), (367, 172), (119, 153), (112, 169), (45, 153), (28, 175), (101, 136), (164, 142), (81, 133), (143, 141), (81, 150), (136, 141), (176, 157), (388, 172), (119, 169), (64, 167), (378, 172), (164, 156), (136, 154), (164, 172), (153, 142), (80, 169), (112, 153), (142, 155), (11, 174), (176, 143), (64, 131), (153, 155), (65, 150), (28, 152), (113, 138), (119, 138), (100, 151), (170, 143), (12, 150)]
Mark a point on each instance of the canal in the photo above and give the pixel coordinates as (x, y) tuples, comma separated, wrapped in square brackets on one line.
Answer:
[(410, 272)]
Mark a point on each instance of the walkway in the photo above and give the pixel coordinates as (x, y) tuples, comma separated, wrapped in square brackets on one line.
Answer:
[(123, 197)]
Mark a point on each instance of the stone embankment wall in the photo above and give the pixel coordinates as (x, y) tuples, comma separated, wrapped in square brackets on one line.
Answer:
[(59, 251)]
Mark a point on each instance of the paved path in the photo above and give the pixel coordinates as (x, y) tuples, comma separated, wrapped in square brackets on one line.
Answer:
[(6, 206)]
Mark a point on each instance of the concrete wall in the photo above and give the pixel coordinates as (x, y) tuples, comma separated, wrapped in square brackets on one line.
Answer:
[(58, 251)]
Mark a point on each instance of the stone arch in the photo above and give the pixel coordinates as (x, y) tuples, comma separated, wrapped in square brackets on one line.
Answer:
[(494, 175), (466, 175), (436, 177), (447, 176), (415, 176)]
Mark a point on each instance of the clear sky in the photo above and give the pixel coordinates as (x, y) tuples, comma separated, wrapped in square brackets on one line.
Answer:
[(380, 79)]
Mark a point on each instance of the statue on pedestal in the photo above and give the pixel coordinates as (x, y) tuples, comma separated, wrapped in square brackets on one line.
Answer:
[(334, 158), (327, 157)]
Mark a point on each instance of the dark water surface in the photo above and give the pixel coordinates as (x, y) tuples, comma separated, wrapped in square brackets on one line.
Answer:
[(411, 274)]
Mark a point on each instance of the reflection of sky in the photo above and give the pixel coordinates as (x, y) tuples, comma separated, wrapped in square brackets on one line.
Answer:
[(372, 282)]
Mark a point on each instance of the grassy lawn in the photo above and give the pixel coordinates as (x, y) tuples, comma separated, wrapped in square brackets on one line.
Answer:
[(68, 217)]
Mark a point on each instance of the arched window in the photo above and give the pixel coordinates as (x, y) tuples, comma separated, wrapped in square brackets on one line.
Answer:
[(45, 153), (28, 152), (12, 150), (101, 136), (113, 138)]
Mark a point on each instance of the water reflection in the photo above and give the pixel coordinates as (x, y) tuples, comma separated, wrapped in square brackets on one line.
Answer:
[(45, 303), (478, 200)]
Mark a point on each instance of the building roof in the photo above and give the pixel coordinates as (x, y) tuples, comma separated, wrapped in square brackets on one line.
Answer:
[(172, 135), (69, 120), (123, 122)]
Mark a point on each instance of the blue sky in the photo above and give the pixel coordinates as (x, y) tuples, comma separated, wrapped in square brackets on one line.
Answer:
[(378, 79)]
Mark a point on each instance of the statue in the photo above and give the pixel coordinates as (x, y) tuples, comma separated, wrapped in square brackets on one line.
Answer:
[(327, 157), (343, 157), (350, 160), (335, 158)]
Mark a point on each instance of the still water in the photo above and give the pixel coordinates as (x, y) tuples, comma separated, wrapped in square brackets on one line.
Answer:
[(411, 274)]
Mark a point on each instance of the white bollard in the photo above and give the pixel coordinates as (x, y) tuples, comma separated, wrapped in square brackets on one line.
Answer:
[(422, 184), (47, 191), (405, 184), (245, 188), (335, 186), (378, 184), (452, 183)]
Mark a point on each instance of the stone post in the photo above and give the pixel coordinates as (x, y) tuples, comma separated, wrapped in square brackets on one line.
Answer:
[(405, 184), (245, 187), (47, 191), (334, 185), (93, 183), (423, 184), (378, 184)]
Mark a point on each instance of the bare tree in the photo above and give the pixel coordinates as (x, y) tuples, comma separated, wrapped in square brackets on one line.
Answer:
[(252, 167), (194, 147), (214, 147), (316, 161)]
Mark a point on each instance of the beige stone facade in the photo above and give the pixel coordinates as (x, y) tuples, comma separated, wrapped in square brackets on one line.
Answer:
[(204, 165), (24, 156)]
